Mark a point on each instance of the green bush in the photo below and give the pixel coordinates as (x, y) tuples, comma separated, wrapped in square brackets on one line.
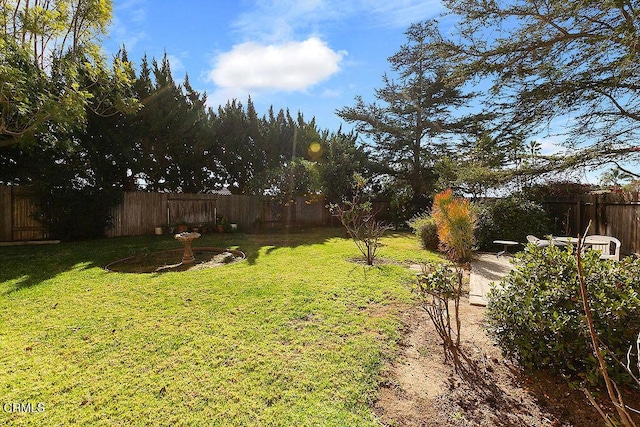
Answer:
[(424, 226), (511, 218), (536, 315)]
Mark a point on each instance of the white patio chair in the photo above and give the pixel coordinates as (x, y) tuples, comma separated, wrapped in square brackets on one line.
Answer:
[(537, 241), (604, 245)]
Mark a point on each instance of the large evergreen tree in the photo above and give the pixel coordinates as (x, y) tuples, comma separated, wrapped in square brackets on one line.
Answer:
[(417, 114), (340, 158), (237, 147)]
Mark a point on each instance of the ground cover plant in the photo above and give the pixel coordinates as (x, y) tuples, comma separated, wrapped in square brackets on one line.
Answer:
[(294, 335)]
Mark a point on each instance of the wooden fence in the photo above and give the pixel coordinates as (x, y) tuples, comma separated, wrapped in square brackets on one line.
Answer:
[(611, 214), (140, 213), (18, 215)]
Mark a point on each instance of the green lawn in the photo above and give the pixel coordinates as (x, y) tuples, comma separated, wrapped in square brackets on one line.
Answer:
[(294, 335)]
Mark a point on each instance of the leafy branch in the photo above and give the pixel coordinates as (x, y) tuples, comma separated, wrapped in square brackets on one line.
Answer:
[(624, 417)]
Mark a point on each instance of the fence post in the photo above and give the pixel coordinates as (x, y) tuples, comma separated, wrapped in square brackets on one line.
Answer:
[(593, 215), (578, 215), (6, 213)]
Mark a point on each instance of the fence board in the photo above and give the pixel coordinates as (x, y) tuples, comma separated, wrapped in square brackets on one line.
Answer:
[(191, 208), (138, 214), (25, 225)]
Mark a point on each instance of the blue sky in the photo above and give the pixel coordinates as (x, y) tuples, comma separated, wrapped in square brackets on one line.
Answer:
[(312, 56)]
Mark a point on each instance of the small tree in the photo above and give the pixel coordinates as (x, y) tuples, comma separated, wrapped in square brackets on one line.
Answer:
[(438, 285), (358, 219), (441, 284), (622, 410), (50, 66)]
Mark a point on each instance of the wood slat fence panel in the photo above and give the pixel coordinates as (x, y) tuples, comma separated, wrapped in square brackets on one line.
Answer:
[(191, 208), (611, 214), (24, 222), (140, 213), (240, 209)]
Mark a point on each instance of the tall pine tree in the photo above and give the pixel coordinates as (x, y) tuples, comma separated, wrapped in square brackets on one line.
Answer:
[(410, 128)]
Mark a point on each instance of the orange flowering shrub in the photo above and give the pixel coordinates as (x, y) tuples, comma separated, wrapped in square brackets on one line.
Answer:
[(456, 222)]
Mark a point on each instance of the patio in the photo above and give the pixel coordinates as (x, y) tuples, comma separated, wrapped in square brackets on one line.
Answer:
[(487, 268)]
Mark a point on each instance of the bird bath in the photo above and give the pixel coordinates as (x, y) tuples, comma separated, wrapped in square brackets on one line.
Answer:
[(186, 238)]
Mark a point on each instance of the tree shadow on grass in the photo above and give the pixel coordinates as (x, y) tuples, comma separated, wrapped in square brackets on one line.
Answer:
[(265, 243), (27, 266), (482, 392)]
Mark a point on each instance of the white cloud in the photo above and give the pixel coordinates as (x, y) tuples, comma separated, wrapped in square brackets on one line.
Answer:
[(331, 93), (177, 66), (277, 20), (119, 31), (402, 13), (550, 146), (281, 19), (270, 55), (291, 66), (129, 18), (220, 97), (135, 10)]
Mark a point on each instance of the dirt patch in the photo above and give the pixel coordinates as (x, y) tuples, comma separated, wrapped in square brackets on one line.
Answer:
[(165, 261), (422, 390)]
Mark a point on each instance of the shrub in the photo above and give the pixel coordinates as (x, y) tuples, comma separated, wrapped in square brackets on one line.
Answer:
[(400, 206), (77, 214), (456, 222), (357, 218), (511, 218), (425, 228), (536, 315)]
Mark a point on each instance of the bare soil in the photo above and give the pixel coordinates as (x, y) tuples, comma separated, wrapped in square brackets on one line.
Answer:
[(170, 260), (421, 389)]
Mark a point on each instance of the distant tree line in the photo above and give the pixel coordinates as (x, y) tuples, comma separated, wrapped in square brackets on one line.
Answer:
[(176, 143)]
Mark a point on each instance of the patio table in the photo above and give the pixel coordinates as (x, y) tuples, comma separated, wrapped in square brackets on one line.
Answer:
[(506, 244), (597, 240)]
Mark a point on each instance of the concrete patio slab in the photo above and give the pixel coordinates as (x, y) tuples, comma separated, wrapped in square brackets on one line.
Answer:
[(487, 268)]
